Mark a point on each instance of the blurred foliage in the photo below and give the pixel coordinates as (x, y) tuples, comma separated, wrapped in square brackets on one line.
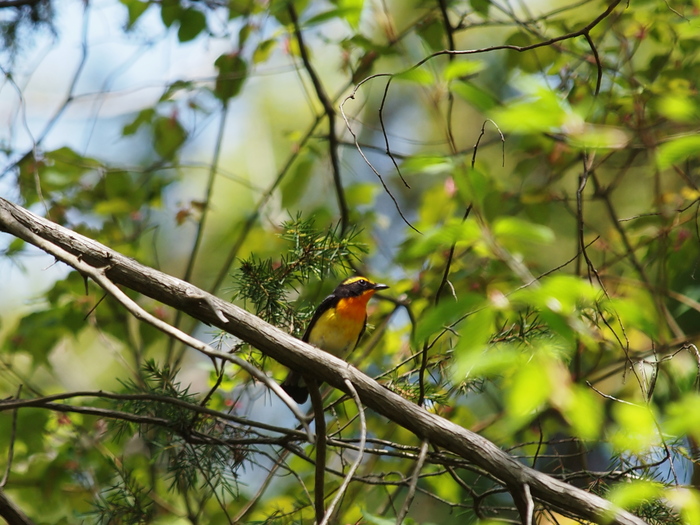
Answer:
[(525, 177)]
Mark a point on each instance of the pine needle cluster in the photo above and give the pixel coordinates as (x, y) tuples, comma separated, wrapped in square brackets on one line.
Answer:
[(265, 284)]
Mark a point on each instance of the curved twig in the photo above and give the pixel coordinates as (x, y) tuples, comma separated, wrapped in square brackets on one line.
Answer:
[(358, 460)]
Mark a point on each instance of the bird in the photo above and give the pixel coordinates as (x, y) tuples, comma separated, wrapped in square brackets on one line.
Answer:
[(336, 326)]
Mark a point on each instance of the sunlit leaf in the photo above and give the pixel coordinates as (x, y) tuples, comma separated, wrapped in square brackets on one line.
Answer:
[(350, 13), (416, 75), (462, 68), (444, 314), (541, 111), (513, 231), (637, 430), (583, 409), (677, 150), (426, 165), (361, 194), (264, 50), (529, 388), (683, 417), (443, 237), (630, 494), (679, 108)]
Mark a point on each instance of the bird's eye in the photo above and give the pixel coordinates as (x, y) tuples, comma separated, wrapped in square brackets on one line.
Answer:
[(362, 282)]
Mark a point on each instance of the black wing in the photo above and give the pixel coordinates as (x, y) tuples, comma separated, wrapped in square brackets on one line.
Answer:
[(327, 303)]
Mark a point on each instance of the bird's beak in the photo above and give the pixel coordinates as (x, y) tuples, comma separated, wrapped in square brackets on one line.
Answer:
[(380, 286)]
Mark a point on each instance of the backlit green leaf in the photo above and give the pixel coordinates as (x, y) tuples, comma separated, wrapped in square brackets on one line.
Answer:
[(461, 68), (677, 151)]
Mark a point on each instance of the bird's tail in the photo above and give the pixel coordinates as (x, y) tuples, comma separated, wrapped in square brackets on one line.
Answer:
[(294, 386)]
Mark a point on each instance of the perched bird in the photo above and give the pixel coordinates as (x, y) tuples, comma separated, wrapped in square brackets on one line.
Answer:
[(336, 326)]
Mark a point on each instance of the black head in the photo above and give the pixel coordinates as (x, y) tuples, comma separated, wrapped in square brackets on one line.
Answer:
[(356, 286)]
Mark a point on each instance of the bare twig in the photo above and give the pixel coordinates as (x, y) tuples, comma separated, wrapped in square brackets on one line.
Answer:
[(414, 481), (362, 154), (320, 420), (11, 449), (358, 460), (11, 512), (329, 111)]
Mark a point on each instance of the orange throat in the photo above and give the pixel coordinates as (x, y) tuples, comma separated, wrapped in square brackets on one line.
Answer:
[(354, 308)]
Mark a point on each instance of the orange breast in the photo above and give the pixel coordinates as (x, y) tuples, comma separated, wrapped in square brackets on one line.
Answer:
[(338, 329)]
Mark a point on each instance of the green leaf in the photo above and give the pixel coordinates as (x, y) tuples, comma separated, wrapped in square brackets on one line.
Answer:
[(533, 61), (170, 11), (377, 520), (680, 108), (444, 314), (637, 431), (168, 136), (480, 99), (174, 87), (144, 117), (280, 10), (473, 357), (264, 50), (233, 72), (427, 165), (113, 207), (415, 75), (38, 333), (344, 13), (135, 9), (529, 389), (457, 232), (462, 68), (295, 184), (583, 409), (192, 22), (636, 311), (353, 11), (632, 493), (683, 417), (677, 151), (432, 32), (543, 111), (473, 185), (15, 247), (481, 6), (563, 294), (512, 232), (361, 194)]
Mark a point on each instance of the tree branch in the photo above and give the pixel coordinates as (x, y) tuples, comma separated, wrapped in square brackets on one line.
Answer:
[(11, 513), (298, 355)]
